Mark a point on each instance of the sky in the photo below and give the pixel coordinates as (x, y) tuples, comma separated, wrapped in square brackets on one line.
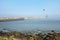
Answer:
[(28, 8)]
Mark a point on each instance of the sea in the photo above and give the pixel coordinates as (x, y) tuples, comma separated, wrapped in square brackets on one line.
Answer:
[(31, 25)]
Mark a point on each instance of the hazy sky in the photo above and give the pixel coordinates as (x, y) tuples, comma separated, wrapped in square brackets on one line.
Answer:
[(28, 8)]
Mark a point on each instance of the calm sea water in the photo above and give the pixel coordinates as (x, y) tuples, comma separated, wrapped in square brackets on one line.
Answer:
[(31, 25)]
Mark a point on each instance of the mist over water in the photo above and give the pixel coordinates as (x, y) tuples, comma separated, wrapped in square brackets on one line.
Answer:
[(35, 24)]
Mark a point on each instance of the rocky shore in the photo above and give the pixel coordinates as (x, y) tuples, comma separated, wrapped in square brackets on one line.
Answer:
[(23, 36)]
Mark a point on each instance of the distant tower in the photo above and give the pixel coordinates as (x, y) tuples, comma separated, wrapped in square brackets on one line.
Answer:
[(43, 9), (46, 14)]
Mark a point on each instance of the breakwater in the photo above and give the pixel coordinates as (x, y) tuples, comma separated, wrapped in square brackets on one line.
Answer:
[(10, 19), (22, 18)]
